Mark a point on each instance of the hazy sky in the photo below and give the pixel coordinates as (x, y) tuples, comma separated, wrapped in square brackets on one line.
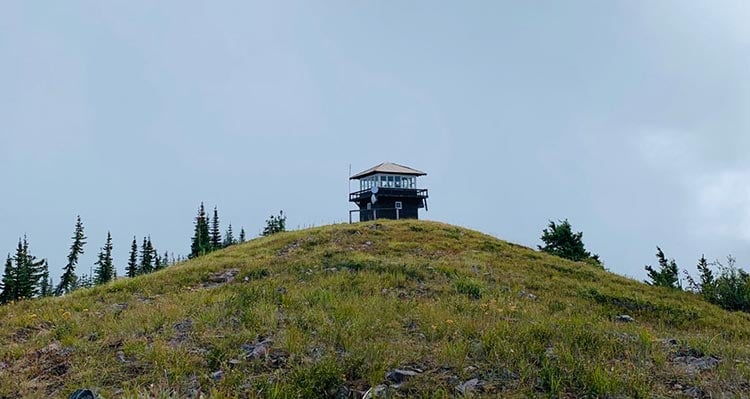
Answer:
[(629, 118)]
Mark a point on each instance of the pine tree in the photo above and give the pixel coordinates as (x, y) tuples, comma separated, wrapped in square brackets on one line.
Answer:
[(147, 257), (28, 271), (132, 269), (215, 231), (275, 224), (229, 237), (104, 271), (242, 234), (68, 279), (10, 291), (668, 273), (560, 240), (200, 243), (159, 262), (46, 287)]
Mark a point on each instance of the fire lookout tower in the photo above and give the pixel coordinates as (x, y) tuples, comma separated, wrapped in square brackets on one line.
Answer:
[(388, 191)]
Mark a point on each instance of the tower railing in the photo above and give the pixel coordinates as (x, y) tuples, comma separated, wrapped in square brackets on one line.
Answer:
[(389, 192)]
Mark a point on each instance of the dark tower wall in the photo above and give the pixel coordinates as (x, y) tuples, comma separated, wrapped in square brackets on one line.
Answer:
[(385, 206)]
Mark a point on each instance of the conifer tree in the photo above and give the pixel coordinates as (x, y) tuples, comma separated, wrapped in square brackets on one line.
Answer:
[(229, 237), (668, 273), (242, 234), (215, 232), (275, 224), (28, 271), (158, 262), (10, 292), (132, 269), (104, 271), (46, 287), (68, 279), (147, 257), (560, 240), (200, 243)]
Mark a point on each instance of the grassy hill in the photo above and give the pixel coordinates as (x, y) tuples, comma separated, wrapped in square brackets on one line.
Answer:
[(400, 309)]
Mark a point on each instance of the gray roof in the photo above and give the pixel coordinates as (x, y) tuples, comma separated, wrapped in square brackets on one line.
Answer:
[(388, 167)]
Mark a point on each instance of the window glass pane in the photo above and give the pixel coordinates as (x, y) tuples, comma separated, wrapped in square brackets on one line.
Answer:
[(398, 182), (390, 181)]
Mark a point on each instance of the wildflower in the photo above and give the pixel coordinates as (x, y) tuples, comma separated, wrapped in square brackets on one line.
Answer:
[(66, 315), (449, 321)]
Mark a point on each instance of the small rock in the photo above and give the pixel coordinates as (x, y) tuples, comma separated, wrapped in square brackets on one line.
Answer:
[(226, 276), (695, 392), (378, 391), (623, 318), (697, 364), (527, 295), (82, 394), (234, 362), (259, 349), (398, 376), (217, 375), (469, 386)]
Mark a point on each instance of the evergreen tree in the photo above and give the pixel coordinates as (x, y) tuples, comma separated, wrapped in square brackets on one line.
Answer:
[(29, 271), (68, 279), (46, 288), (242, 234), (147, 257), (275, 224), (85, 281), (10, 291), (104, 271), (560, 240), (706, 286), (159, 261), (132, 269), (215, 232), (668, 273), (731, 288), (229, 237), (200, 243)]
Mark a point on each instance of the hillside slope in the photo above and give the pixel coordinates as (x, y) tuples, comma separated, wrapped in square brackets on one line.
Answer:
[(407, 308)]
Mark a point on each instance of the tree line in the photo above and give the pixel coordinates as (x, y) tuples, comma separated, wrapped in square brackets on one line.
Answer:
[(207, 232), (25, 276), (723, 284)]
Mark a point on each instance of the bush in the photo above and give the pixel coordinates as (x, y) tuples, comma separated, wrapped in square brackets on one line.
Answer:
[(468, 287)]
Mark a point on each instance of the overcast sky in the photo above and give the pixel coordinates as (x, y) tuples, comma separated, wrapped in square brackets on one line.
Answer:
[(629, 118)]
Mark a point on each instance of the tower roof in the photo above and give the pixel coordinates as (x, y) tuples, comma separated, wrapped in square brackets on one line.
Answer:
[(388, 167)]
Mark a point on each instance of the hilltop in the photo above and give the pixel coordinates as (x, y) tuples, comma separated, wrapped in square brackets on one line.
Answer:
[(393, 308)]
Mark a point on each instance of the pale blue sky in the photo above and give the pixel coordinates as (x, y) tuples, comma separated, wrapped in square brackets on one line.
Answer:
[(630, 118)]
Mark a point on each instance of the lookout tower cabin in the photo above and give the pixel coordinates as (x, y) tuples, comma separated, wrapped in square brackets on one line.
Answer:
[(388, 191)]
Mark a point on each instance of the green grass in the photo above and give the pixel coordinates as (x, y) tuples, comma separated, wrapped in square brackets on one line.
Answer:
[(344, 304)]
